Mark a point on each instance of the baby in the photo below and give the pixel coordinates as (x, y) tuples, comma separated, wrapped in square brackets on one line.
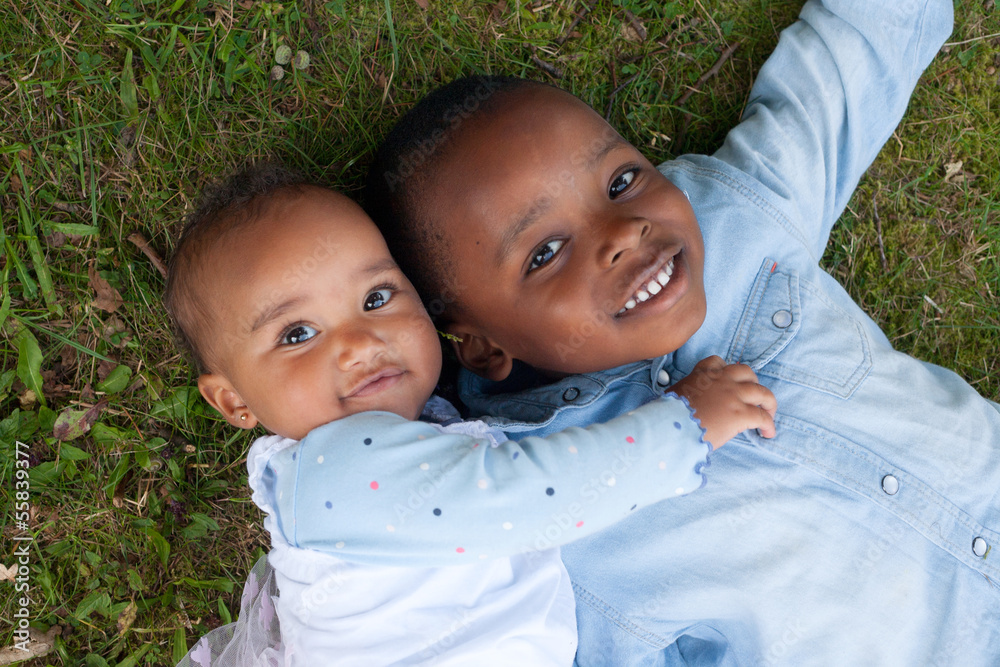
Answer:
[(300, 321), (582, 280)]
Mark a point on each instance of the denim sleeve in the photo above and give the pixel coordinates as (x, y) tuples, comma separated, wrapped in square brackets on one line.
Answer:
[(378, 489), (828, 98)]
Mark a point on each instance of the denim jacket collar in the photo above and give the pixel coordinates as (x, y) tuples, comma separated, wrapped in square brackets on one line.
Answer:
[(528, 400)]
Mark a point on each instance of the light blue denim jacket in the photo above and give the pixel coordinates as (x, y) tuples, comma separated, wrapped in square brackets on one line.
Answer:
[(866, 532)]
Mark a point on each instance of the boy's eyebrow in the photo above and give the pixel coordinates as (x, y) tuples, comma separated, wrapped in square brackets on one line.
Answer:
[(537, 209), (509, 238)]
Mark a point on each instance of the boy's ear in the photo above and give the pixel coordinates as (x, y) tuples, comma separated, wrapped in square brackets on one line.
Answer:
[(221, 395), (480, 354)]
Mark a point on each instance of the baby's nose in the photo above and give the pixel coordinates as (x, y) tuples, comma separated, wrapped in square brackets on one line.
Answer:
[(357, 346)]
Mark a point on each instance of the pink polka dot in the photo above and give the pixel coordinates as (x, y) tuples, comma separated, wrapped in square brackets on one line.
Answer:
[(475, 445), (374, 486), (579, 523), (630, 440), (460, 550)]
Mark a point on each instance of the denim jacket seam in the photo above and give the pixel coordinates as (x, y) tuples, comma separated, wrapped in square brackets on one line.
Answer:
[(915, 64), (617, 619), (754, 197), (756, 300), (932, 498)]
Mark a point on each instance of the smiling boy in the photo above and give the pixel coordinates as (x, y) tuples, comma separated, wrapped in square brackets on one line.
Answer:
[(864, 532)]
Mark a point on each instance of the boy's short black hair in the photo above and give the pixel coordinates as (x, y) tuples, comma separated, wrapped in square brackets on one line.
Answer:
[(405, 163), (223, 208)]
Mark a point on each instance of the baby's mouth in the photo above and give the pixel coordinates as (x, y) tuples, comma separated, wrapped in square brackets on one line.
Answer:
[(376, 382), (657, 281)]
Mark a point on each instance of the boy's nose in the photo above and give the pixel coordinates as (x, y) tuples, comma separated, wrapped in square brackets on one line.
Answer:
[(357, 345), (619, 237)]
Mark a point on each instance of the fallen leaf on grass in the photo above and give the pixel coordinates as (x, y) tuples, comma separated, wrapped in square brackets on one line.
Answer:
[(108, 299), (127, 618), (8, 573), (38, 644), (71, 424), (423, 4), (142, 244), (953, 172)]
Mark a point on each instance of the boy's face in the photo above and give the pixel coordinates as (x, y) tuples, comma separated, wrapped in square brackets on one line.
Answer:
[(571, 251), (312, 320)]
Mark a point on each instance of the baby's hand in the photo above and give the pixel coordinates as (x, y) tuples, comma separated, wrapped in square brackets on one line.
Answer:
[(728, 400)]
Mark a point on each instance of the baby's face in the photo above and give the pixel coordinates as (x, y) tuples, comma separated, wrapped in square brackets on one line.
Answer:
[(313, 321), (572, 252)]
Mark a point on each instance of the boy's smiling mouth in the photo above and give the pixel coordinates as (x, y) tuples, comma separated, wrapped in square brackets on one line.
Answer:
[(660, 282)]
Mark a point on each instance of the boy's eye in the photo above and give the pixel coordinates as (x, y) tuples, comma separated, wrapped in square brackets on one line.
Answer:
[(377, 299), (621, 183), (544, 253), (299, 333)]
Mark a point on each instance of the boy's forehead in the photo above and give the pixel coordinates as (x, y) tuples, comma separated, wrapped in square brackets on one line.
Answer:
[(508, 164)]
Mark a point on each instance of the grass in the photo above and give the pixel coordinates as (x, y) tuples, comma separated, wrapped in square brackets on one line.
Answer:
[(116, 112)]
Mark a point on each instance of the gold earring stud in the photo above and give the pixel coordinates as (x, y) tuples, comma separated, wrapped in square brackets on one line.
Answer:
[(243, 418)]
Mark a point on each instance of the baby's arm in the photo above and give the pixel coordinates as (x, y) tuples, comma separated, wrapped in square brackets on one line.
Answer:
[(376, 488), (828, 98)]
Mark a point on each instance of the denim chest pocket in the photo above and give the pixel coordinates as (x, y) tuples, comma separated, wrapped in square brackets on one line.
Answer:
[(791, 331)]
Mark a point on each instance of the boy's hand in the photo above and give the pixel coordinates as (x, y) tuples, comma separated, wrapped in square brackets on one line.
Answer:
[(728, 400)]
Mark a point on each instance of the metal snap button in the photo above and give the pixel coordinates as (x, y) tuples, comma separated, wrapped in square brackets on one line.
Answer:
[(571, 394), (663, 378), (979, 547), (781, 319), (890, 485)]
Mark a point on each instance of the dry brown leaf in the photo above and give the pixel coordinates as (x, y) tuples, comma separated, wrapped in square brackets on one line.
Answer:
[(71, 424), (953, 172), (38, 644), (127, 618), (8, 573), (108, 299), (424, 4)]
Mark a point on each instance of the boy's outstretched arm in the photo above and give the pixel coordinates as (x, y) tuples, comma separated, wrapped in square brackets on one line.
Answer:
[(379, 489), (828, 98)]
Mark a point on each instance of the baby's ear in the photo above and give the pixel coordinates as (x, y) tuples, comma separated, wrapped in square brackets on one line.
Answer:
[(221, 395), (480, 354)]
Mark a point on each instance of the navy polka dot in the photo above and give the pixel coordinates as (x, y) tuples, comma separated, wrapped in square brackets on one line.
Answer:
[(677, 425), (368, 441), (549, 491), (437, 512), (328, 504), (516, 454), (632, 508), (293, 455)]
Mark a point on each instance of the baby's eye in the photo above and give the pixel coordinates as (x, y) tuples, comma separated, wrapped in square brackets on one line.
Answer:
[(621, 182), (299, 333), (377, 299), (544, 253)]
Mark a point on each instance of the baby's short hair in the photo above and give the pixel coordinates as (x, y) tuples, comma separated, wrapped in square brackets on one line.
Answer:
[(406, 162), (223, 208)]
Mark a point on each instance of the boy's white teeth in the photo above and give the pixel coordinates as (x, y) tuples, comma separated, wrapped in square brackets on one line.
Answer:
[(653, 288)]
